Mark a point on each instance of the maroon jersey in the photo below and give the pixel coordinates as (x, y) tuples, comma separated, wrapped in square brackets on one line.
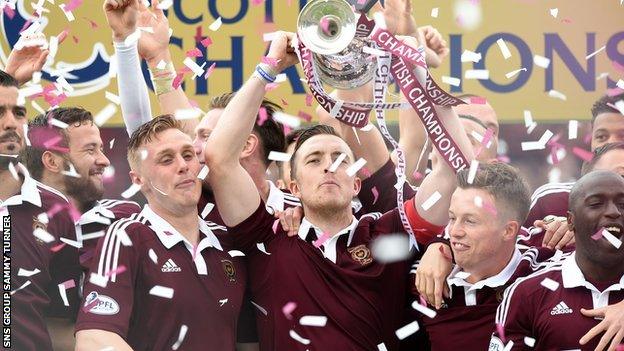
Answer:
[(362, 299), (530, 312), (40, 261), (549, 199), (93, 224), (466, 320), (378, 194), (159, 287)]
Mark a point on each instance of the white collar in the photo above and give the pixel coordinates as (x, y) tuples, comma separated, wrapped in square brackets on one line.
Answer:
[(97, 214), (573, 277), (169, 236), (275, 200), (28, 191), (492, 282), (305, 227)]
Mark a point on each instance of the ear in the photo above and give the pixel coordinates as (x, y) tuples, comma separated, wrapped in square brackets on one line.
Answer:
[(136, 178), (511, 230), (251, 145), (570, 218), (53, 162), (357, 186), (294, 188)]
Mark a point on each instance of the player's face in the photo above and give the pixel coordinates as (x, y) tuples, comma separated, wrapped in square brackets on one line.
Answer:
[(612, 161), (487, 153), (476, 232), (484, 112), (12, 122), (168, 174), (315, 185), (86, 154), (600, 205), (607, 128), (203, 130)]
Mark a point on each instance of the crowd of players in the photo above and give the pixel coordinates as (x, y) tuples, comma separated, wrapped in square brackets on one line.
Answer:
[(223, 258)]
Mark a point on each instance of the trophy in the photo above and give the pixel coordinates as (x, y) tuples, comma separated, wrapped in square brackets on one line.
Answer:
[(328, 29)]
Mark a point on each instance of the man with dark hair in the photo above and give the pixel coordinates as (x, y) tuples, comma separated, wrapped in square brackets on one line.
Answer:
[(543, 311), (162, 277), (608, 157), (43, 257)]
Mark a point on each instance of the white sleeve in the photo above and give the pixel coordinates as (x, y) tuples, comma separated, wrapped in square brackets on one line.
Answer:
[(135, 104)]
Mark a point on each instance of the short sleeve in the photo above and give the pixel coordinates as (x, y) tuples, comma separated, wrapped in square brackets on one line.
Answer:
[(257, 228), (110, 307)]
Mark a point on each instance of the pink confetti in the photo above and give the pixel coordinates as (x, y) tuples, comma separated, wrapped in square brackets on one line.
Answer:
[(503, 158), (9, 12), (304, 116), (63, 35), (73, 212), (617, 66), (554, 140), (270, 87), (478, 100), (366, 172), (51, 144), (587, 138), (308, 99), (423, 301), (269, 61), (614, 92), (195, 52), (256, 2), (177, 81), (72, 5), (598, 234), (375, 194), (489, 207), (206, 42), (566, 20), (75, 38), (320, 241), (288, 309), (417, 175), (210, 70), (92, 23), (69, 284), (58, 247), (620, 347), (194, 103), (29, 22), (501, 331), (117, 270), (262, 116), (553, 155), (582, 154), (284, 102), (275, 224), (324, 25)]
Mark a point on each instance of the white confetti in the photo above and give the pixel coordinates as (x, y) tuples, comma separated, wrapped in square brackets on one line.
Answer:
[(214, 26), (470, 56), (236, 253), (203, 172), (557, 95), (112, 97), (373, 51), (279, 156), (105, 114), (152, 255), (132, 38), (260, 308), (43, 235), (407, 330), (528, 118), (508, 346), (280, 78), (478, 201), (183, 330), (537, 145), (337, 162), (71, 172), (611, 239), (382, 347), (36, 106), (550, 284), (424, 309), (541, 61), (286, 119), (207, 209), (269, 36), (451, 81), (165, 4), (474, 166), (354, 168), (262, 248), (391, 248), (193, 66), (434, 12), (503, 48), (595, 53), (477, 74), (68, 14), (554, 12), (313, 321), (572, 129), (602, 75), (26, 273), (13, 171), (147, 29), (131, 191), (21, 287), (111, 143), (222, 302), (294, 335), (431, 200), (63, 293), (59, 124), (64, 85), (187, 113), (367, 128), (620, 106), (620, 84), (162, 64), (462, 274), (98, 280), (530, 342), (161, 291)]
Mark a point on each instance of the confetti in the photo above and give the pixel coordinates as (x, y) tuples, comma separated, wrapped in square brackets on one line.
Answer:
[(407, 330), (21, 287), (68, 14), (105, 114), (194, 67), (203, 172), (309, 97), (279, 156), (59, 124), (215, 25), (43, 235), (620, 84), (391, 248), (222, 302), (187, 113), (530, 342), (554, 12), (288, 309), (375, 194), (235, 253), (582, 154), (26, 273), (451, 81), (98, 280), (541, 61), (161, 291), (294, 335), (152, 255), (382, 347), (474, 166), (131, 191), (337, 162), (195, 52), (503, 48), (354, 168), (477, 74), (595, 53), (321, 240), (165, 4), (557, 95), (550, 284), (537, 145), (207, 209), (611, 239), (424, 309), (572, 129), (183, 330), (210, 70), (286, 119), (262, 248), (431, 200), (313, 321), (112, 97), (434, 12), (619, 105)]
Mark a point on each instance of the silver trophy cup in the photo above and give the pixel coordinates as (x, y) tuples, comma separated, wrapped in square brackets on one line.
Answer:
[(327, 28)]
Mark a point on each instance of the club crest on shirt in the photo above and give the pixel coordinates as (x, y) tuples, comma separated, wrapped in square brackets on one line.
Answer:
[(228, 268), (37, 224), (361, 254)]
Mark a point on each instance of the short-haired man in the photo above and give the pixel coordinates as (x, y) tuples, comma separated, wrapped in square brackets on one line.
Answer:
[(162, 277), (44, 269), (543, 311)]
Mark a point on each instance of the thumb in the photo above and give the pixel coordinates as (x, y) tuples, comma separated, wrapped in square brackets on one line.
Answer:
[(597, 312), (157, 10)]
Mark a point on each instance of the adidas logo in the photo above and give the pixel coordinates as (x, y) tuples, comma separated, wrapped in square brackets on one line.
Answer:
[(561, 308), (170, 266)]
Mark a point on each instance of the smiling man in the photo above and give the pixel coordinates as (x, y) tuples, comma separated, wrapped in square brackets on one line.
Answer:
[(544, 309)]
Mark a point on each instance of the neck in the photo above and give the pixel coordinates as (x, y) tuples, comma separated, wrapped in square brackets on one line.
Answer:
[(55, 181), (491, 268), (330, 222), (184, 221), (10, 186), (599, 271), (258, 175)]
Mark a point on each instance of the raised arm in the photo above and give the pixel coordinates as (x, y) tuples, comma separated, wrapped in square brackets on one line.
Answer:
[(26, 58), (234, 190)]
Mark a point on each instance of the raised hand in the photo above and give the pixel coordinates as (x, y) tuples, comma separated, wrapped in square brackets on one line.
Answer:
[(154, 47), (282, 52), (436, 44), (25, 60), (398, 16), (121, 16)]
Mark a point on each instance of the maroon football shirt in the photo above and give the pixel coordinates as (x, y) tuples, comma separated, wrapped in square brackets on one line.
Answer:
[(158, 283), (36, 295), (378, 194), (530, 312), (362, 299), (549, 199), (466, 320)]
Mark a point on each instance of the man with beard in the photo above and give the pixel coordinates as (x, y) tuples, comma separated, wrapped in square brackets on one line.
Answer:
[(543, 311), (44, 264)]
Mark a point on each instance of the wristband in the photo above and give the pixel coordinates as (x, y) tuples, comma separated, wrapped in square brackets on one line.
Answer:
[(162, 78), (265, 72)]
